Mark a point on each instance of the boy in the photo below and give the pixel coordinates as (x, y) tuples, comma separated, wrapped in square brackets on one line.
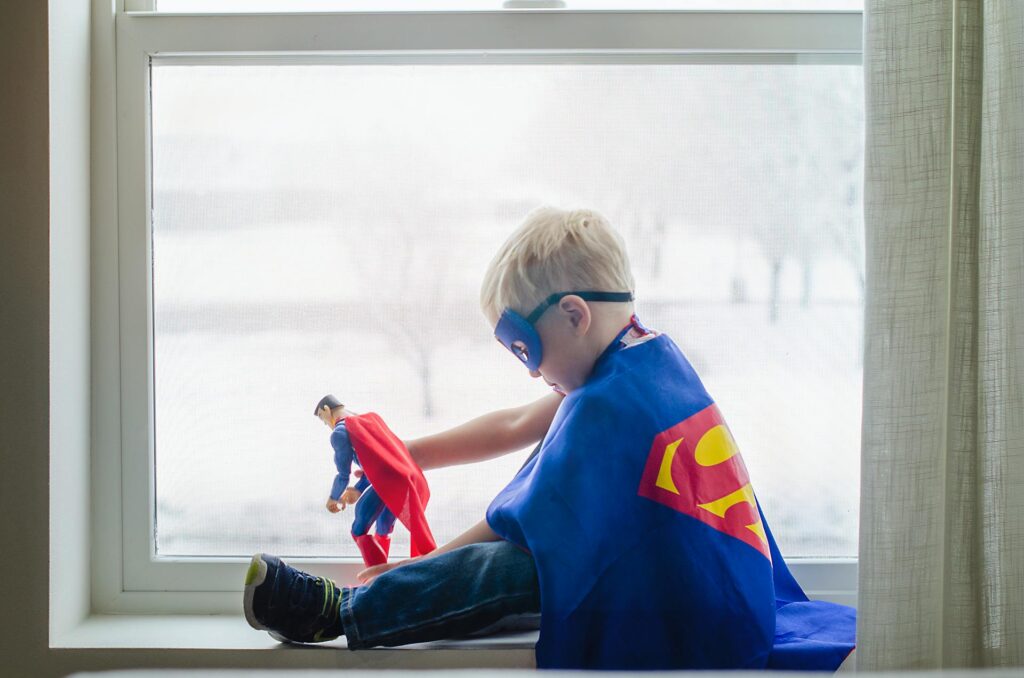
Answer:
[(646, 545)]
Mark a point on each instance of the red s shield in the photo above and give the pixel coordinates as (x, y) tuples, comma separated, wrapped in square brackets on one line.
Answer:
[(695, 468)]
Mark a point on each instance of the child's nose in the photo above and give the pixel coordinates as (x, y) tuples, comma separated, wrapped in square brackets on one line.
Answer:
[(534, 373)]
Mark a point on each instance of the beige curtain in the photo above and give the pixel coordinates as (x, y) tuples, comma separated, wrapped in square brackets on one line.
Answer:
[(942, 509)]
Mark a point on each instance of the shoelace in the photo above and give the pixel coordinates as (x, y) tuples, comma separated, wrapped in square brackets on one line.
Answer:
[(315, 596), (307, 594)]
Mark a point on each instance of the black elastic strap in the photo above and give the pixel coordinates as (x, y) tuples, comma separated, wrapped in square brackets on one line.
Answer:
[(586, 296)]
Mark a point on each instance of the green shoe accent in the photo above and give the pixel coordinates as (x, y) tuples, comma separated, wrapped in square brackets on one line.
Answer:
[(328, 595), (250, 575)]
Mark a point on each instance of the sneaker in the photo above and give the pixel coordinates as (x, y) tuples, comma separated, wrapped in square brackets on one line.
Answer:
[(295, 607)]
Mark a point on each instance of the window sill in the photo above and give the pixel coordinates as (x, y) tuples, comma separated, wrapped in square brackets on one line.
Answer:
[(231, 633)]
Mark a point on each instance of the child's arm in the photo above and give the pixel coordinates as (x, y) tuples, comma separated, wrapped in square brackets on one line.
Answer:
[(487, 436), (480, 532)]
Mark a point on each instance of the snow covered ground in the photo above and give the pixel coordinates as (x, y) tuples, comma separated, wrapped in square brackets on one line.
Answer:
[(243, 466)]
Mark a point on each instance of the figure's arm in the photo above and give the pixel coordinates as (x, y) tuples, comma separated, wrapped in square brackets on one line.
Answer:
[(338, 487), (487, 436), (481, 532), (343, 454)]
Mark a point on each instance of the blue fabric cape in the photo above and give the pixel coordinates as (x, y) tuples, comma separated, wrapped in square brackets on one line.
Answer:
[(651, 550)]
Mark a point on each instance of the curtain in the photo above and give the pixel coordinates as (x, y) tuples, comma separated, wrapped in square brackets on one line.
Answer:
[(942, 479)]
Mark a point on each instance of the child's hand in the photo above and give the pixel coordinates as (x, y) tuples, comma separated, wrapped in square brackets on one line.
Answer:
[(349, 496), (333, 506), (369, 574)]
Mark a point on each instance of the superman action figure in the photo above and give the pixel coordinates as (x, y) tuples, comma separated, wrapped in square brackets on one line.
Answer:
[(392, 486)]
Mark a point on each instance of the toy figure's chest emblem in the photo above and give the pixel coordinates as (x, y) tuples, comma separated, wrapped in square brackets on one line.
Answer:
[(695, 468)]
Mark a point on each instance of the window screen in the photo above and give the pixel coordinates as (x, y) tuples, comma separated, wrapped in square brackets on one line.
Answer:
[(324, 228)]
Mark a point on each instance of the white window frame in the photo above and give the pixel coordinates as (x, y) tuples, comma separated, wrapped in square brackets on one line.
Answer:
[(126, 576)]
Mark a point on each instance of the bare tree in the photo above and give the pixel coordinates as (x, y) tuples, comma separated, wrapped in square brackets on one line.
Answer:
[(412, 292)]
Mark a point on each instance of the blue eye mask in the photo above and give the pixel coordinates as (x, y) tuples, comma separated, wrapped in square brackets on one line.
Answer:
[(519, 335)]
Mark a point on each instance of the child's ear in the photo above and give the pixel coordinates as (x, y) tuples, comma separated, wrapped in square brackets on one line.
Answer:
[(578, 312)]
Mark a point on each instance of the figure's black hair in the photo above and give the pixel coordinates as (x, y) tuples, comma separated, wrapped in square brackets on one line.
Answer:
[(329, 400)]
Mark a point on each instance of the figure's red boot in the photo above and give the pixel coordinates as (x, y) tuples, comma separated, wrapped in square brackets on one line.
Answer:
[(385, 543), (370, 549)]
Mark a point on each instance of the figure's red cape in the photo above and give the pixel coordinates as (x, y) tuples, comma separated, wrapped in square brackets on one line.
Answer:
[(394, 475)]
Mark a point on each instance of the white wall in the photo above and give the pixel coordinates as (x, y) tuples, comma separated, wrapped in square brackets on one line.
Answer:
[(69, 117)]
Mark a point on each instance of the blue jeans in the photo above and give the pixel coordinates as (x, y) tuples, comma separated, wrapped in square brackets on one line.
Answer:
[(473, 589)]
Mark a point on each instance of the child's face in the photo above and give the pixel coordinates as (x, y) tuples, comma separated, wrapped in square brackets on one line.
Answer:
[(566, 359), (565, 365)]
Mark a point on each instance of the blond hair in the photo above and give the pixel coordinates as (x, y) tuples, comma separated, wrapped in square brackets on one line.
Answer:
[(555, 250)]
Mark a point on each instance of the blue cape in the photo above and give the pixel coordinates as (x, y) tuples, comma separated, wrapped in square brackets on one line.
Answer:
[(651, 549)]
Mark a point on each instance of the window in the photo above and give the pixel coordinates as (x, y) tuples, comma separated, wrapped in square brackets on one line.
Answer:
[(290, 191)]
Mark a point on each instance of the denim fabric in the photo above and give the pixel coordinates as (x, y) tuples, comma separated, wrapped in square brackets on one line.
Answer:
[(475, 588)]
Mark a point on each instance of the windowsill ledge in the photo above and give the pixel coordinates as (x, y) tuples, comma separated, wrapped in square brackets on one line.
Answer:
[(231, 633)]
